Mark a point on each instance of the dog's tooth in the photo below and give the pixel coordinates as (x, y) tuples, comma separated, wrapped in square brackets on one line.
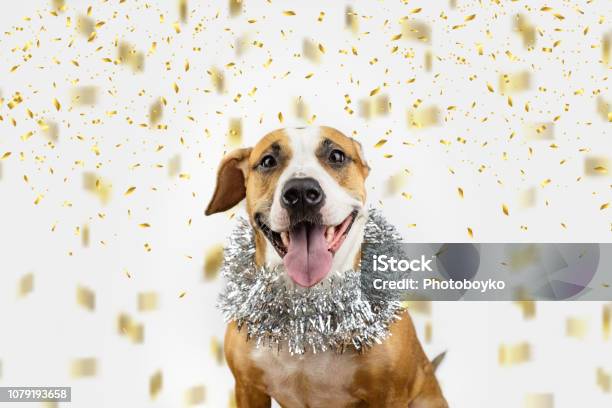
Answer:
[(329, 234), (285, 238)]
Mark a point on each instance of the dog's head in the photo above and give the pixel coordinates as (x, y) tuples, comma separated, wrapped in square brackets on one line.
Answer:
[(305, 196)]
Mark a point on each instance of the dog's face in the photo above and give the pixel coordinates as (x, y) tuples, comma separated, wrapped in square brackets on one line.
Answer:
[(305, 192)]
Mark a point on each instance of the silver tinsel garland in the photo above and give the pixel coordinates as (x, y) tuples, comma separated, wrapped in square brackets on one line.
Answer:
[(333, 315)]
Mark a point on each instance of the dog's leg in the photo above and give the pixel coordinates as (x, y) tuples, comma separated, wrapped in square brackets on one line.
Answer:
[(250, 397)]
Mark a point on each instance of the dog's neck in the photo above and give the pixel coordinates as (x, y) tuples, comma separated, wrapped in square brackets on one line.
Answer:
[(347, 257)]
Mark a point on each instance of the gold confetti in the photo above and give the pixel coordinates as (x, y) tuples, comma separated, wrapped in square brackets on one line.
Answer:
[(539, 401), (174, 165), (376, 106), (527, 31), (235, 7), (428, 332), (195, 395), (59, 5), (596, 166), (604, 206), (83, 367), (514, 354), (380, 143), (147, 301), (505, 209), (606, 47), (289, 13), (606, 323), (84, 95), (155, 384), (527, 197), (351, 20), (26, 285), (576, 328), (460, 192), (540, 131), (155, 112), (416, 30), (428, 61), (396, 183), (604, 380), (129, 191), (604, 109), (86, 298), (513, 83), (97, 186), (218, 80), (470, 232), (216, 350), (128, 327), (423, 117), (311, 51), (234, 133), (56, 104), (418, 306), (85, 26), (183, 10), (213, 261)]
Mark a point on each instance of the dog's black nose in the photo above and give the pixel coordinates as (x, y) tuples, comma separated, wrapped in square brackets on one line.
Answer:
[(302, 196)]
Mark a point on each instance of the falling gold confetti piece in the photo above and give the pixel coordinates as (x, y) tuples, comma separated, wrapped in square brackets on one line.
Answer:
[(374, 91), (606, 323), (195, 395), (213, 261), (83, 367), (505, 209), (460, 191), (604, 380), (380, 143), (86, 298), (514, 354), (5, 155), (26, 285), (129, 191), (604, 206), (155, 384), (539, 401), (576, 328), (56, 104), (216, 349), (182, 295), (470, 232), (289, 13), (147, 301)]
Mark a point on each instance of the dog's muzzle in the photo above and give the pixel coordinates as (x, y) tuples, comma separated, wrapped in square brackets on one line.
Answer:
[(303, 199)]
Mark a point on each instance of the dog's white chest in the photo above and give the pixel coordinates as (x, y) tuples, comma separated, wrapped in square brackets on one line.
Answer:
[(313, 380)]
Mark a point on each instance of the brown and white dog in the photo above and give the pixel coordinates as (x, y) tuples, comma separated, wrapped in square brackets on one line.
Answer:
[(305, 197)]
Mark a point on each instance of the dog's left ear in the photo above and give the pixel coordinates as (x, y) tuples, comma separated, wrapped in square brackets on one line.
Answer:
[(231, 181), (365, 169)]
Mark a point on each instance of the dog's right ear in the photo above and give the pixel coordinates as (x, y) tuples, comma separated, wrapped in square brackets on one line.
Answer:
[(231, 181)]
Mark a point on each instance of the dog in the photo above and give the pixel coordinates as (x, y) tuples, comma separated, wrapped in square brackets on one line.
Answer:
[(305, 198)]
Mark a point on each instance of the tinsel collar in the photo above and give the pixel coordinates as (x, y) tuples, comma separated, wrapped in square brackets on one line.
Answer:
[(333, 315)]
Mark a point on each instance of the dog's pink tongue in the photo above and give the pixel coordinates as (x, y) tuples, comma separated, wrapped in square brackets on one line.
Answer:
[(307, 260)]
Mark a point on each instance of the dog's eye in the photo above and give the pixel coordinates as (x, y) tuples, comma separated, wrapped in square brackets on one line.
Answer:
[(267, 162), (336, 157)]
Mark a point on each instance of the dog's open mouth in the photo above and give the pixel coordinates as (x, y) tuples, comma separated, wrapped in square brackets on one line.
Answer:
[(307, 248)]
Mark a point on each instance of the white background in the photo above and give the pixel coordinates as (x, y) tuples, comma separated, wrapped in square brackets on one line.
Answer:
[(42, 332)]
